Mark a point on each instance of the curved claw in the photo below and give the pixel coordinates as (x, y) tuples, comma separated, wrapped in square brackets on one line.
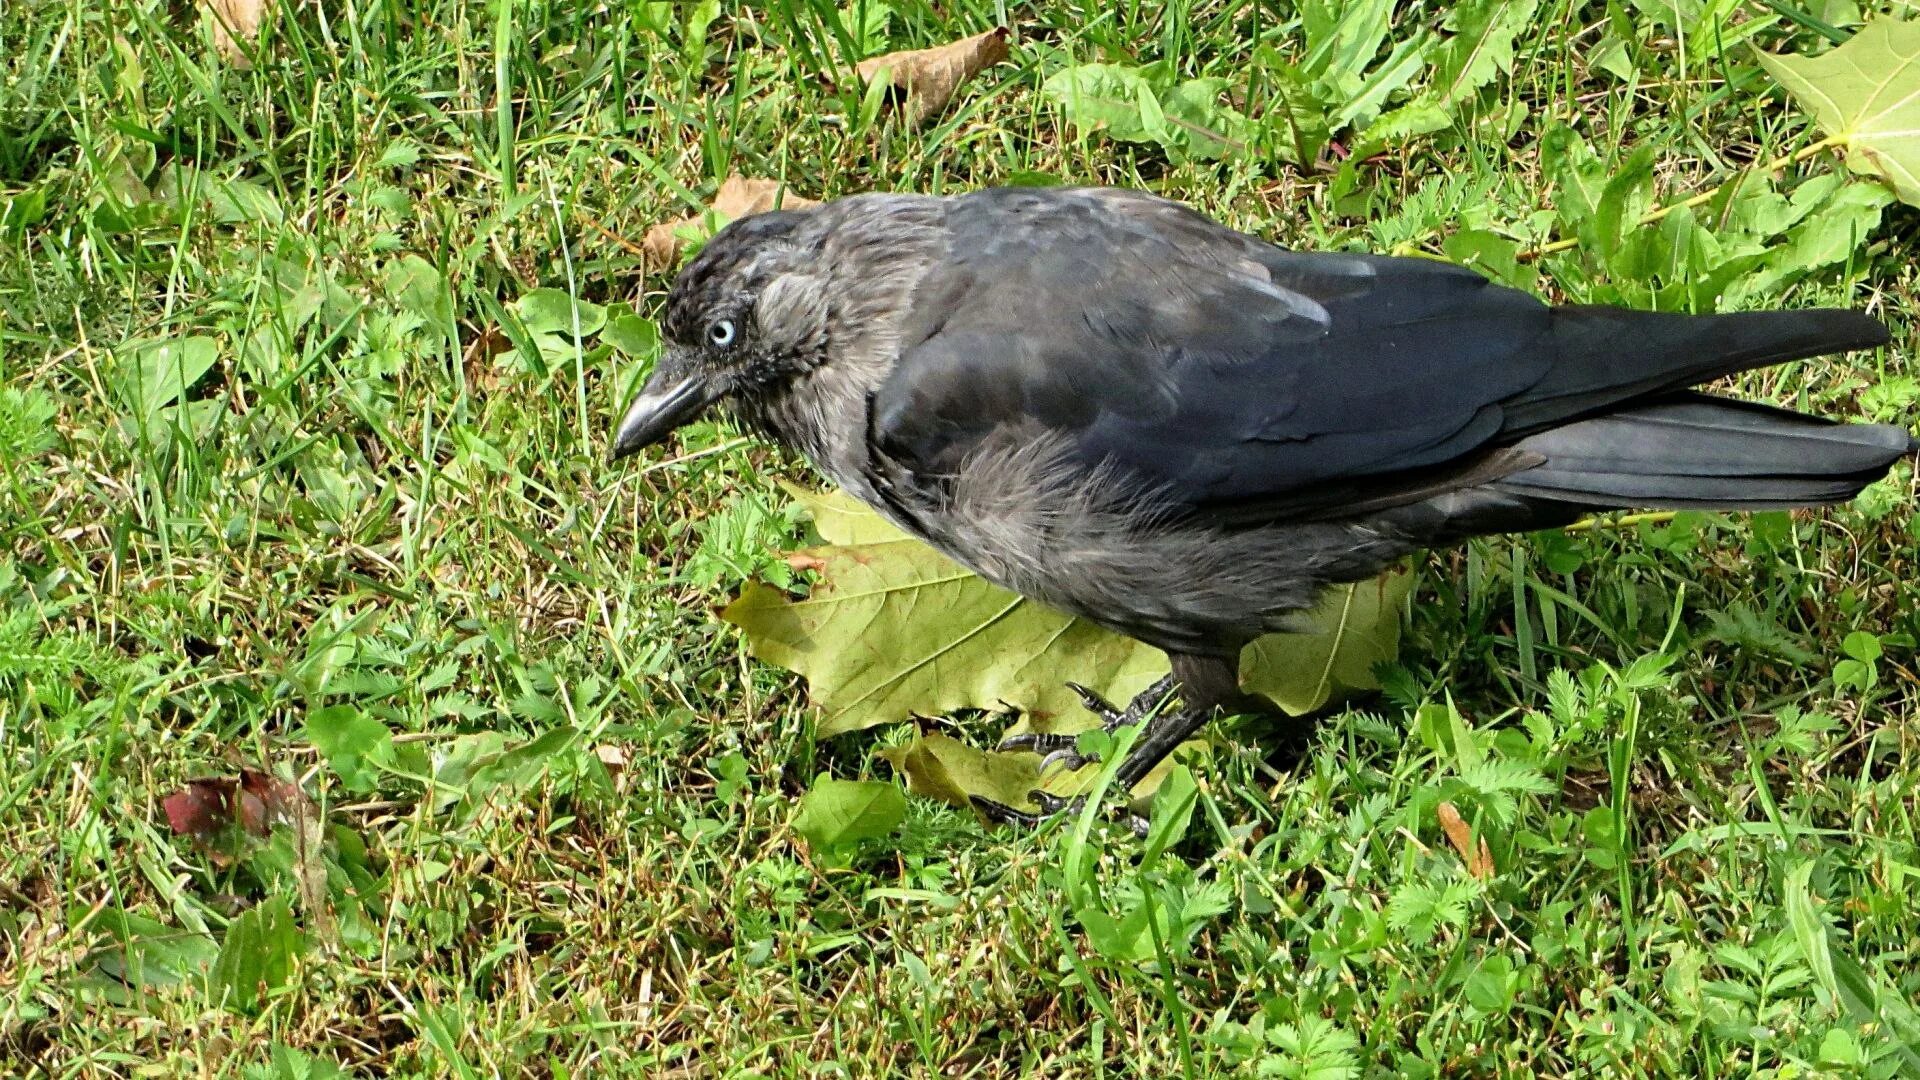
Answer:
[(1097, 705), (1069, 757)]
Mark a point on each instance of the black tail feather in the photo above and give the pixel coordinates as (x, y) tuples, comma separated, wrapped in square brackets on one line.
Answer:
[(1610, 356), (1695, 451)]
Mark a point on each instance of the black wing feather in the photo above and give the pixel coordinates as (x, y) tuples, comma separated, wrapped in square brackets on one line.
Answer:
[(1247, 381)]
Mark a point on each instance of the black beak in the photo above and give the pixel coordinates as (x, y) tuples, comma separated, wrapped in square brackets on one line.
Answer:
[(669, 399)]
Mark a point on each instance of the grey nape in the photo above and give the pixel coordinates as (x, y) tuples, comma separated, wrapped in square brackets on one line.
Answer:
[(1107, 402)]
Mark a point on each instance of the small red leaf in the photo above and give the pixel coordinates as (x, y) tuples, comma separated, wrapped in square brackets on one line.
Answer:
[(266, 800), (202, 806)]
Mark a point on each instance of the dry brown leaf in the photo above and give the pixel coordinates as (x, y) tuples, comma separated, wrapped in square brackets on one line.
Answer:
[(234, 21), (738, 197), (1479, 860), (477, 359), (612, 757), (930, 77)]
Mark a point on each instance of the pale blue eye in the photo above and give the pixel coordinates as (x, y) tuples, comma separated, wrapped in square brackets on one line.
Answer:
[(721, 333)]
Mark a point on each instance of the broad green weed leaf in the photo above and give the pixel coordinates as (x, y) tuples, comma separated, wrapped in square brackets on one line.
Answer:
[(1481, 49), (1295, 119), (1342, 39), (551, 311), (893, 628), (152, 376), (1108, 97), (1200, 126), (632, 335), (1366, 100), (1408, 122), (417, 285), (1850, 985), (1866, 94), (1838, 228), (145, 952), (838, 813), (1173, 807), (353, 742), (26, 422), (256, 956), (1578, 177)]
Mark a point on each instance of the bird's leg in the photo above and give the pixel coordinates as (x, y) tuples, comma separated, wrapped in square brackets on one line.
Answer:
[(1207, 684), (1064, 749)]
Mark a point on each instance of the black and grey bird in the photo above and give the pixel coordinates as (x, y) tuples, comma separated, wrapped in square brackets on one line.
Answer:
[(1107, 402)]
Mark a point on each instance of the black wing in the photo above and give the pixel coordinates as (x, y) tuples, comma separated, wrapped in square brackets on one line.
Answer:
[(1247, 380)]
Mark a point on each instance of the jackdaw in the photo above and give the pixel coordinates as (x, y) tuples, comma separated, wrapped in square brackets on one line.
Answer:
[(1109, 403)]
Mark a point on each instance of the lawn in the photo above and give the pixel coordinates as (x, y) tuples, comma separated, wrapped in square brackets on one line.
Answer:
[(357, 719)]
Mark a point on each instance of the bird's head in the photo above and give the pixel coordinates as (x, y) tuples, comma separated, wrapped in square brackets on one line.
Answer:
[(745, 317)]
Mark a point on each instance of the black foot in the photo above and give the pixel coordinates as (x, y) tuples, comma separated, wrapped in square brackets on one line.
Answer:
[(1050, 806), (1065, 750)]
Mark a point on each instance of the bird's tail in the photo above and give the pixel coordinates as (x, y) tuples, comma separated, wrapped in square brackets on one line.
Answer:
[(1696, 451), (1609, 356)]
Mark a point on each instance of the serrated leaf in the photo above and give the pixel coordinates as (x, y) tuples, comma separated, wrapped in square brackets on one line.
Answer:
[(1295, 118), (1479, 51), (892, 628), (1481, 48), (1409, 121), (398, 154), (1200, 126), (354, 743), (840, 518), (1393, 74), (836, 813), (1822, 237), (1342, 39), (1110, 98), (1866, 94), (941, 767)]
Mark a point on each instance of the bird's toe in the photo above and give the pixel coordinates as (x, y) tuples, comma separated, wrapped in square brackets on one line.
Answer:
[(1036, 742), (1096, 704), (1067, 757), (999, 813)]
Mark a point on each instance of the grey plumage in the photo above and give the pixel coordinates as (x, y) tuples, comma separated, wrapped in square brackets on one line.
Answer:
[(1107, 402)]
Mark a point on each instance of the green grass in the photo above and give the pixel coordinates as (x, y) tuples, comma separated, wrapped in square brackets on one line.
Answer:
[(1687, 742)]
